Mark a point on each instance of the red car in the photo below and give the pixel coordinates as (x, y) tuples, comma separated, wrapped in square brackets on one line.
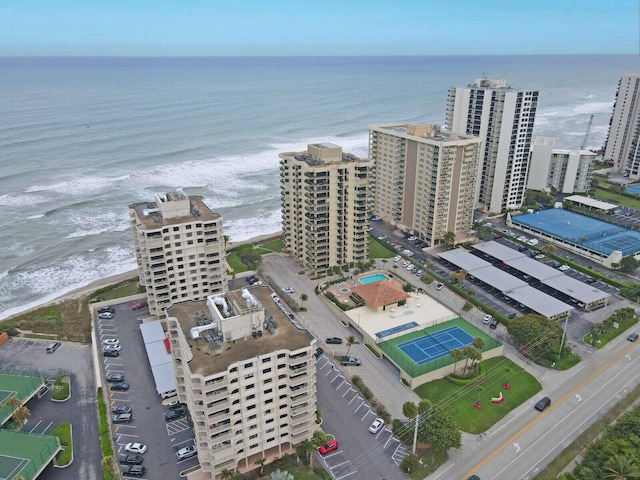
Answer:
[(328, 447), (139, 305)]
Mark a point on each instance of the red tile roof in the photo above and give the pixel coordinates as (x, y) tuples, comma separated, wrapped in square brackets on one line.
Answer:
[(378, 294)]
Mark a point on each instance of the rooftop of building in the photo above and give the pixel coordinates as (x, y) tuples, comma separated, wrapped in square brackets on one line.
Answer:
[(432, 132), (149, 214), (324, 153), (209, 362)]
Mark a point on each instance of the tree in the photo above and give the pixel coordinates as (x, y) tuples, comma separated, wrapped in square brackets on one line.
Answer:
[(409, 410), (449, 240), (478, 343), (620, 467), (437, 427), (457, 355), (536, 335), (304, 450), (459, 275), (468, 352), (629, 264), (549, 248), (350, 341), (281, 475), (20, 416), (13, 402), (260, 463), (476, 356), (303, 298), (226, 474), (409, 463)]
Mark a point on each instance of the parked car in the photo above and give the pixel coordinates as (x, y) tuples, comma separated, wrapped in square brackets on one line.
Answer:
[(134, 471), (439, 271), (120, 386), (493, 324), (397, 258), (115, 378), (319, 351), (350, 361), (334, 340), (487, 319), (410, 254), (105, 316), (130, 459), (110, 341), (328, 447), (52, 347), (139, 305), (111, 353), (539, 256), (117, 409), (377, 424), (106, 309), (633, 337), (289, 290), (249, 278), (176, 405), (375, 218), (543, 403), (564, 268), (382, 237), (115, 348), (174, 415), (418, 273), (186, 452), (135, 448), (122, 418), (439, 286), (511, 315)]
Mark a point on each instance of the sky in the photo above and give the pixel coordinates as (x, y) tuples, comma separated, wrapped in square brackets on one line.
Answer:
[(316, 27)]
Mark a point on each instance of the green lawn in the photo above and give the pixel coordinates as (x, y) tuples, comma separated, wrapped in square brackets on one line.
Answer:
[(378, 249), (235, 264), (119, 291), (459, 399), (612, 333), (272, 246)]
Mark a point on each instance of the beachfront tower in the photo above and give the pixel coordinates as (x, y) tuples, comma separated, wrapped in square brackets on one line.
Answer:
[(503, 118), (425, 179), (623, 145), (179, 248), (325, 209)]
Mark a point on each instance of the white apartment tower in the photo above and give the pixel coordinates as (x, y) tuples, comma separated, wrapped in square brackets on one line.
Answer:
[(503, 118), (623, 145), (247, 375), (180, 249), (567, 171), (425, 179), (325, 207)]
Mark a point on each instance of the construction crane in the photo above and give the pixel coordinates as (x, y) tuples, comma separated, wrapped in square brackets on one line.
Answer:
[(586, 135)]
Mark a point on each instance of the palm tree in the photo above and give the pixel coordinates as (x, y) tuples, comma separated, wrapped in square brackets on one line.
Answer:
[(620, 467), (303, 298), (226, 474), (478, 343), (457, 354), (449, 240), (467, 352), (304, 450), (350, 341), (260, 463), (476, 357)]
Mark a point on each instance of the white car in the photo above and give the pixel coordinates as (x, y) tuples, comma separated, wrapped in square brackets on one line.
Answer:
[(289, 290), (410, 266), (382, 237), (377, 424), (105, 316), (523, 239), (410, 254), (114, 348), (487, 319), (135, 448), (540, 256), (110, 341), (186, 452), (564, 268), (406, 263), (397, 258)]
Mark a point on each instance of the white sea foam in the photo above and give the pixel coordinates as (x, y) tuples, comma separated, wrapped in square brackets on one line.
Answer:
[(35, 217), (241, 229), (14, 200), (97, 223)]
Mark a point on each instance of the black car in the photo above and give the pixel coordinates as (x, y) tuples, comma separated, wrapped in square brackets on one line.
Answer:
[(493, 324), (111, 353), (174, 415), (106, 309), (115, 378), (318, 352), (120, 386), (334, 340), (543, 403), (177, 405), (117, 409), (439, 271), (632, 337), (130, 459), (511, 315), (122, 418), (134, 471)]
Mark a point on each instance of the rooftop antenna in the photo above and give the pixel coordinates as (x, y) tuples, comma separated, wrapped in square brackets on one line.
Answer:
[(586, 135)]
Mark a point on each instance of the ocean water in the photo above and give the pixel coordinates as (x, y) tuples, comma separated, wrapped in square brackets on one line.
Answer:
[(82, 138)]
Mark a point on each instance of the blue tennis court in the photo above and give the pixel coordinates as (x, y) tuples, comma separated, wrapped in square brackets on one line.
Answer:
[(596, 235), (633, 189), (435, 345)]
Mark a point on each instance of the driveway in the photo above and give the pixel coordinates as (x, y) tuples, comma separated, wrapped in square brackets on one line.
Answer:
[(74, 359)]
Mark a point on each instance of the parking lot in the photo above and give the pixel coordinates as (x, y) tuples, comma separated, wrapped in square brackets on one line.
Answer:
[(163, 439), (29, 355)]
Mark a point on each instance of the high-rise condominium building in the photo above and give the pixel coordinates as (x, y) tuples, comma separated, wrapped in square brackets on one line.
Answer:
[(503, 118), (567, 171), (623, 145), (180, 249), (425, 179), (247, 375), (325, 195)]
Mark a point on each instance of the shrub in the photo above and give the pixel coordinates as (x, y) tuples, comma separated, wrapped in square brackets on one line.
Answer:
[(63, 432)]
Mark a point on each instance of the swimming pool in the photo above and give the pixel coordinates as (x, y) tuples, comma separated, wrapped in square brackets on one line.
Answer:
[(378, 277)]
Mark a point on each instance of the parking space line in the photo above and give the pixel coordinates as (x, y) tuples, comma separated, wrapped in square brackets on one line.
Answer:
[(346, 475), (343, 382), (340, 464), (355, 396), (349, 390), (389, 439), (359, 407), (365, 415)]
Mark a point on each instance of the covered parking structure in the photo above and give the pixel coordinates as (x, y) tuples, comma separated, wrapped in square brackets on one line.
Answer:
[(586, 296), (157, 346), (508, 285), (592, 203)]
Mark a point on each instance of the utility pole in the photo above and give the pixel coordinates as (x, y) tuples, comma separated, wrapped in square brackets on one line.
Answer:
[(415, 435)]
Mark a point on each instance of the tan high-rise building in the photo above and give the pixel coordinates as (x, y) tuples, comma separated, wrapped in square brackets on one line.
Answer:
[(425, 179), (503, 118), (325, 195), (247, 375), (623, 143), (180, 249), (567, 171)]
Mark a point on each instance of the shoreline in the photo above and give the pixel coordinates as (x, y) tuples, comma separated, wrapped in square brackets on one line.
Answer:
[(121, 277)]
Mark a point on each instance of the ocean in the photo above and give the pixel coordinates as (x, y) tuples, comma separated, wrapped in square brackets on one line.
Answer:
[(82, 138)]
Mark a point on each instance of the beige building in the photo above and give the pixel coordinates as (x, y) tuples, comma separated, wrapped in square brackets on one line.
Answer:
[(325, 195), (503, 118), (180, 249), (567, 171), (623, 142), (425, 179), (247, 375)]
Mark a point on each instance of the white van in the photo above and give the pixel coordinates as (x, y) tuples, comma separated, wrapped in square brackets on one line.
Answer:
[(169, 394), (533, 241)]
